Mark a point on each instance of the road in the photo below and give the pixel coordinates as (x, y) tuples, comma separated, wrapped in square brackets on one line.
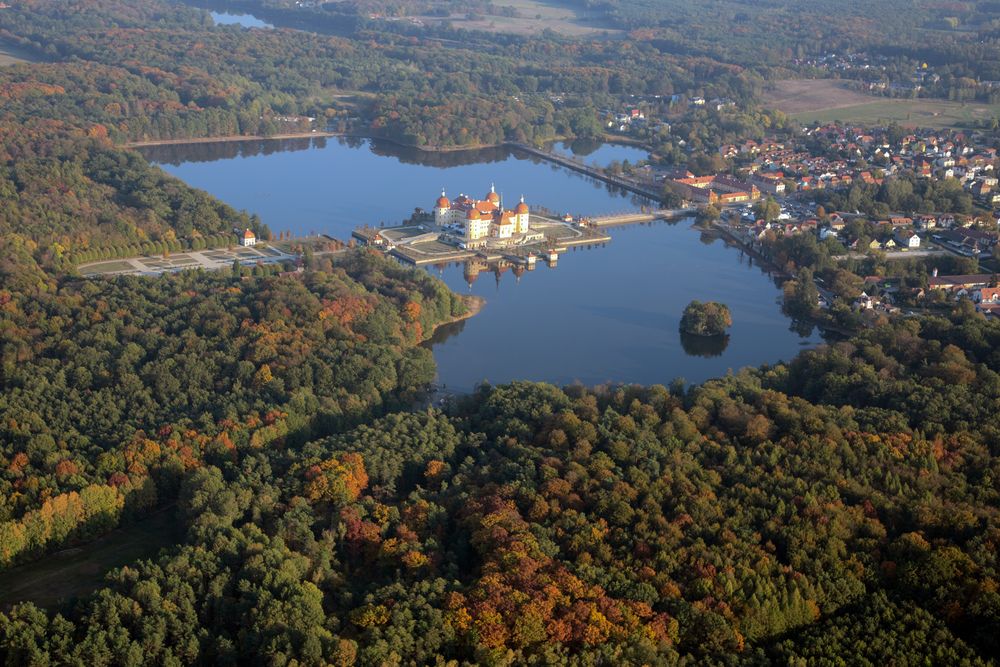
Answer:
[(894, 256)]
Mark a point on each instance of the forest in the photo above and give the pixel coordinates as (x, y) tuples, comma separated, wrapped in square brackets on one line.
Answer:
[(843, 503), (166, 72), (756, 519)]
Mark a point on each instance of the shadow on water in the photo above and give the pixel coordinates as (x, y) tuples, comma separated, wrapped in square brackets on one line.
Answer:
[(704, 346)]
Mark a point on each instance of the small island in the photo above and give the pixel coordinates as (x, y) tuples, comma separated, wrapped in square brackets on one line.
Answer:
[(706, 319)]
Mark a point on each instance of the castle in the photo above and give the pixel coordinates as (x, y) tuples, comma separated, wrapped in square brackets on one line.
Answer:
[(482, 219), (716, 189)]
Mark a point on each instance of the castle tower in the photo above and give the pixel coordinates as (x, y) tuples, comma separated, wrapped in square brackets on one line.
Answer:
[(441, 208), (521, 217), (492, 196)]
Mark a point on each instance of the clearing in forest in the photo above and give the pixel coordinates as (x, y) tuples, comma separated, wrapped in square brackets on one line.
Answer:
[(78, 571), (11, 54)]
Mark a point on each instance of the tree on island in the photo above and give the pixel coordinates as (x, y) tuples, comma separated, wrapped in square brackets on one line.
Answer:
[(706, 319)]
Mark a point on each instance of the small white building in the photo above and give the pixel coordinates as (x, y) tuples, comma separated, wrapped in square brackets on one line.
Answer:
[(249, 239), (864, 302), (908, 240)]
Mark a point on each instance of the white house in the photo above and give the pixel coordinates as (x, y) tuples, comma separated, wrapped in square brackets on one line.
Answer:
[(864, 302), (908, 240), (249, 239)]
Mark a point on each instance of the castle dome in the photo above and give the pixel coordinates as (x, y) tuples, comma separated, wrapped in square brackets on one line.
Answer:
[(473, 214), (492, 196), (443, 202), (521, 208)]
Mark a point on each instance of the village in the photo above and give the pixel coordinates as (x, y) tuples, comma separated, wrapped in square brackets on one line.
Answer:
[(892, 224)]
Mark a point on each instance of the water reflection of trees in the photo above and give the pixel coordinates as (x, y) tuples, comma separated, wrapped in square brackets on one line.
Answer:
[(444, 332), (441, 159), (803, 328), (704, 346), (177, 154)]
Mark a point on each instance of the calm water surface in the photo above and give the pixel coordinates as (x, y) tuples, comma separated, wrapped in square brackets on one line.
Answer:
[(607, 313), (245, 20), (599, 154)]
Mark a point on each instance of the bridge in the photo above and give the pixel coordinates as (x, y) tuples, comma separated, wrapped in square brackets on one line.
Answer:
[(634, 218), (593, 172)]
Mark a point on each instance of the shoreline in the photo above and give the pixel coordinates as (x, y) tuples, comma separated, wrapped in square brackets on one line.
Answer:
[(473, 306), (231, 138), (234, 138)]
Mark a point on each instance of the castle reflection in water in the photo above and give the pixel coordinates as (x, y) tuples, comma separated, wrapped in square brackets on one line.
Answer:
[(476, 269)]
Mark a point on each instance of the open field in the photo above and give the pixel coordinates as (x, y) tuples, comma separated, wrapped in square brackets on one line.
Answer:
[(533, 17), (829, 100), (75, 572), (795, 96), (10, 54)]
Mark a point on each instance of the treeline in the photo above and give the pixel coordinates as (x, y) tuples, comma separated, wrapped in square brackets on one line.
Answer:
[(794, 514)]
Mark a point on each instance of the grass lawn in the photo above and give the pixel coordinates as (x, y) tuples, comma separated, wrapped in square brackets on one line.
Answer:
[(72, 573), (106, 267)]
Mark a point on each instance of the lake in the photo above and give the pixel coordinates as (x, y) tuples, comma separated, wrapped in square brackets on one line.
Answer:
[(597, 153), (602, 314), (245, 20)]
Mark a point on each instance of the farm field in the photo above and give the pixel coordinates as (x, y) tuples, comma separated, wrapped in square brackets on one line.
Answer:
[(534, 17), (830, 100)]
